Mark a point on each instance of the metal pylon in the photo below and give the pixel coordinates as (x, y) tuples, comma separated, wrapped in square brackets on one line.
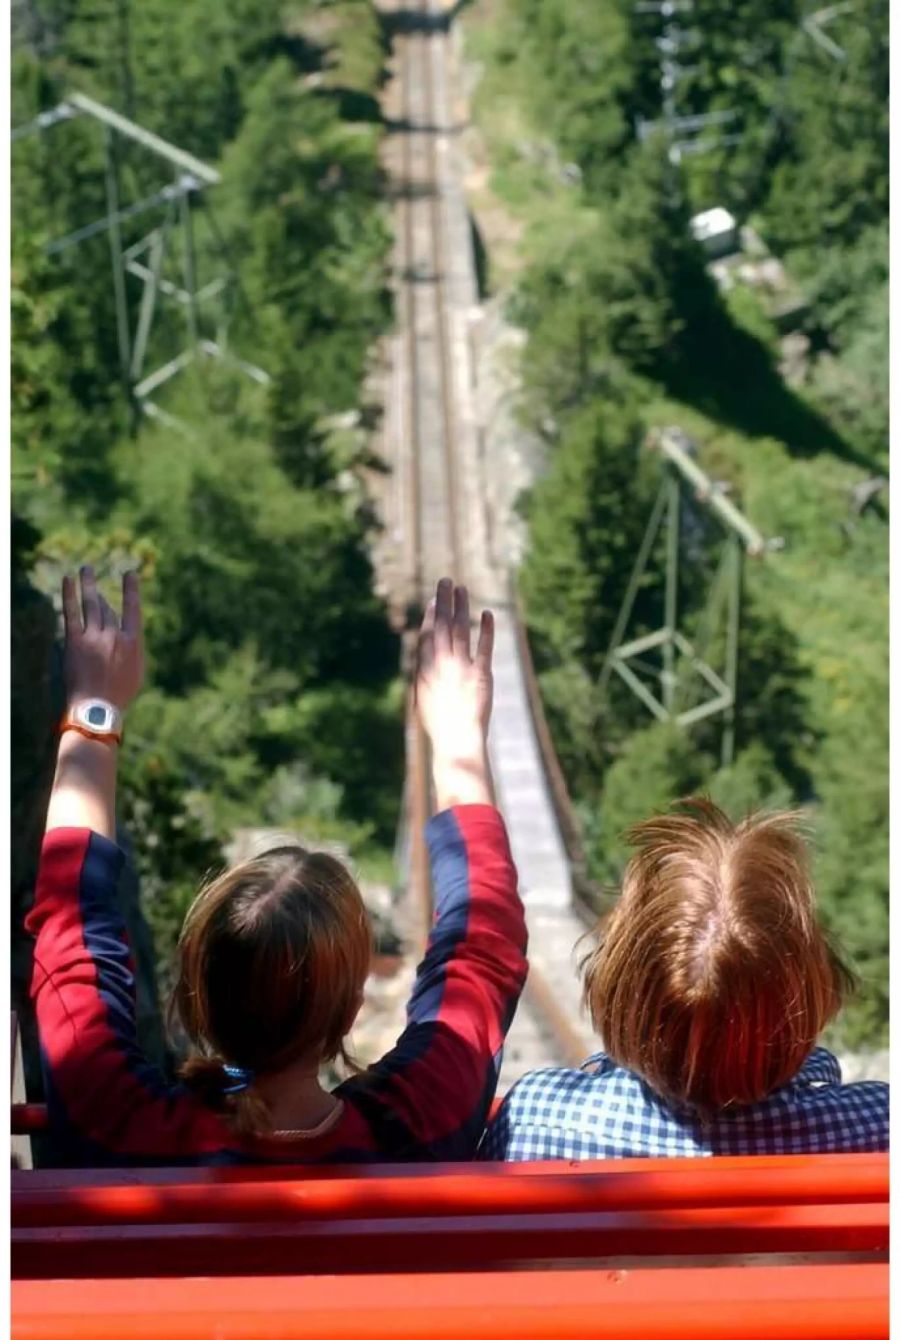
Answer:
[(205, 307), (719, 691), (685, 133)]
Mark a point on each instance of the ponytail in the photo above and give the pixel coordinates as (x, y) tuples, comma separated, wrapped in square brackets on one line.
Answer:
[(245, 1109)]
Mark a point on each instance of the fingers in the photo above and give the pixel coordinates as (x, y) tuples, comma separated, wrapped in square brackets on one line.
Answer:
[(443, 616), (485, 649), (71, 610), (428, 618), (132, 619), (97, 611), (425, 646), (460, 630), (90, 600), (107, 614)]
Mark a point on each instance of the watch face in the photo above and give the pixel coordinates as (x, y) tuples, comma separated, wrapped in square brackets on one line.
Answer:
[(98, 716)]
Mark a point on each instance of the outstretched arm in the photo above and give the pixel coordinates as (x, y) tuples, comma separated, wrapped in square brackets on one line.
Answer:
[(103, 659), (98, 1083), (454, 696), (430, 1095)]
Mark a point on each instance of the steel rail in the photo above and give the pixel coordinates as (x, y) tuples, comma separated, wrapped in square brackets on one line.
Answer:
[(419, 791), (439, 260), (552, 1020)]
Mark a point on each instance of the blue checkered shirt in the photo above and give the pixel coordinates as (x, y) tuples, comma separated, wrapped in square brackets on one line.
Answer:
[(603, 1111)]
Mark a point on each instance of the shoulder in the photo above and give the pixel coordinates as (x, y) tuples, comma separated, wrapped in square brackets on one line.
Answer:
[(823, 1071), (554, 1092)]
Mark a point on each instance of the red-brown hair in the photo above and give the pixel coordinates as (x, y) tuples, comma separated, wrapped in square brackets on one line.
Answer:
[(273, 956), (713, 977)]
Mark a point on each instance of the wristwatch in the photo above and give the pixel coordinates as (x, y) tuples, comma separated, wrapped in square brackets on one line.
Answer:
[(95, 718)]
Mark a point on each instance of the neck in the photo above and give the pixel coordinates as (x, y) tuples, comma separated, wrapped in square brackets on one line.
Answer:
[(295, 1098)]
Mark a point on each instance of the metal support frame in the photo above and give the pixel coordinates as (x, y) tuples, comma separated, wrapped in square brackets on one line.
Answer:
[(673, 520), (118, 266), (684, 132), (720, 689), (64, 111), (813, 24), (732, 645), (190, 270), (176, 230), (148, 298)]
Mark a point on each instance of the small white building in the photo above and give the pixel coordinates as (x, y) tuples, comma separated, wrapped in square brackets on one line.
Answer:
[(716, 230)]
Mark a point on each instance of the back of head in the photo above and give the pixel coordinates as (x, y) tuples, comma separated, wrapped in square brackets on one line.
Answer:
[(714, 977), (272, 961)]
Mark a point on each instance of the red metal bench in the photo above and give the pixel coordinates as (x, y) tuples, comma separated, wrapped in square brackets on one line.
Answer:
[(282, 1221), (810, 1302), (480, 1250), (753, 1248)]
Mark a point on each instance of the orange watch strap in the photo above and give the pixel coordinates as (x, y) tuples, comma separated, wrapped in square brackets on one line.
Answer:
[(105, 737)]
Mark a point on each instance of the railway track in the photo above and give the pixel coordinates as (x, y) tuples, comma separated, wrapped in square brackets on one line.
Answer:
[(440, 527)]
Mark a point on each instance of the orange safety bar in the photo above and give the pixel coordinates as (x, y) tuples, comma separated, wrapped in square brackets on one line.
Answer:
[(787, 1302), (276, 1194), (455, 1243)]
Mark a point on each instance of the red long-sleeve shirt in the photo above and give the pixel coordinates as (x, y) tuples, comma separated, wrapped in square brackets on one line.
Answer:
[(428, 1098)]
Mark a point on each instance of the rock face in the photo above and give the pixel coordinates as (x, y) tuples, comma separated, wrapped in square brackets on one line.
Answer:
[(36, 703)]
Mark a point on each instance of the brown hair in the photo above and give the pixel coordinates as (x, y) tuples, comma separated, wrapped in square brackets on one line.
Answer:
[(273, 956), (713, 978)]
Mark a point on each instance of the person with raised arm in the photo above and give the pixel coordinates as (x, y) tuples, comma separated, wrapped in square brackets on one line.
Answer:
[(275, 951)]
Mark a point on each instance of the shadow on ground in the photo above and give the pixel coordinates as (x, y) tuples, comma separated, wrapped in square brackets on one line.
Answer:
[(732, 377)]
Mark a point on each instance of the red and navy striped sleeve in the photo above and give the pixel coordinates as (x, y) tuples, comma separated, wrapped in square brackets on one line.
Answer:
[(101, 1090), (429, 1097)]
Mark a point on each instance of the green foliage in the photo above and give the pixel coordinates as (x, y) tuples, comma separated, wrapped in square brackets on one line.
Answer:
[(627, 330), (657, 765), (312, 248), (611, 287), (579, 723), (831, 179), (581, 55), (751, 783), (582, 539), (265, 563), (272, 696), (180, 70), (849, 301), (345, 731)]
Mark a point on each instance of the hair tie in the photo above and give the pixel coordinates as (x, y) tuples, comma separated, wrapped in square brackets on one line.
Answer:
[(242, 1078)]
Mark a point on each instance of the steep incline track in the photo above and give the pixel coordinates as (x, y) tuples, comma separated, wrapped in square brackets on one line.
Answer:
[(436, 521)]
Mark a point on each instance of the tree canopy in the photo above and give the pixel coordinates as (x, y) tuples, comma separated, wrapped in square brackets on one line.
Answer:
[(627, 331), (269, 650)]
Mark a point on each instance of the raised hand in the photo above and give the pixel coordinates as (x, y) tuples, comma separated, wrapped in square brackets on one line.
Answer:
[(454, 694), (103, 658)]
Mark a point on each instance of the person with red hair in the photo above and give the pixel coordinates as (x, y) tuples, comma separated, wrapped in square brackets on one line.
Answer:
[(709, 987)]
